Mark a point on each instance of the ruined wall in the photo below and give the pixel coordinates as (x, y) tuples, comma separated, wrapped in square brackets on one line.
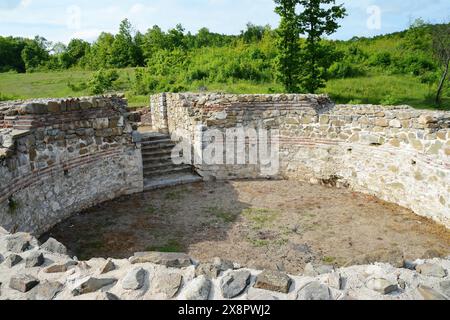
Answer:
[(58, 157), (398, 154), (46, 272)]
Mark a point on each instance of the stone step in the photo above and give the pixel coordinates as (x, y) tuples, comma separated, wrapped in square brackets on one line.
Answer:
[(157, 153), (170, 180), (164, 165), (157, 142), (168, 170), (155, 147), (157, 159), (151, 136), (158, 162)]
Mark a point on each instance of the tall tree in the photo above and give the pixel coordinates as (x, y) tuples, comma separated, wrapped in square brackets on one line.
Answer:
[(441, 49), (315, 21), (288, 59), (10, 54), (35, 53), (304, 67), (125, 52), (100, 55)]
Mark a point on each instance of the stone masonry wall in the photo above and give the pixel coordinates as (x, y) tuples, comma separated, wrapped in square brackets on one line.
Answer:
[(397, 153), (58, 157), (30, 270)]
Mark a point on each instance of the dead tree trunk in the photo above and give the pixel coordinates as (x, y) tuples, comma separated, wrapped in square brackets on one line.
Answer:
[(441, 83)]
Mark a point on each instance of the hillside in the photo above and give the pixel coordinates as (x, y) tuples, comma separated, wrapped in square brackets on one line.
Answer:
[(392, 69)]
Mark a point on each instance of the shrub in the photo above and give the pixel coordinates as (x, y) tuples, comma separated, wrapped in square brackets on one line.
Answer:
[(381, 59), (415, 65), (77, 87), (344, 69), (103, 81), (390, 100), (4, 97)]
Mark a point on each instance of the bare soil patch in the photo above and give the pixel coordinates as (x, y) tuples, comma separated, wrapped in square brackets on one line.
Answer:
[(259, 224)]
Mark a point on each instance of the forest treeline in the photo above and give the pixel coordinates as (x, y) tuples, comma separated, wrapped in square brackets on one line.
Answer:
[(173, 60)]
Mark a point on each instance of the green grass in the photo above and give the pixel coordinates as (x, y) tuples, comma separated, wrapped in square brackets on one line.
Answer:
[(384, 89), (56, 85), (172, 245), (329, 260), (221, 214), (175, 194), (260, 218), (373, 88)]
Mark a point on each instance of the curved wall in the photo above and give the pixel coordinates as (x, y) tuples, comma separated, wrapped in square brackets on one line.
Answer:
[(399, 154), (58, 157)]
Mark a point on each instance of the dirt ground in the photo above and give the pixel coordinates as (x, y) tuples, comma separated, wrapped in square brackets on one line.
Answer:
[(259, 224)]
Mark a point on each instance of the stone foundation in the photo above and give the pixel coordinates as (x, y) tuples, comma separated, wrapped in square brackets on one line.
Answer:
[(58, 157), (398, 154), (30, 271)]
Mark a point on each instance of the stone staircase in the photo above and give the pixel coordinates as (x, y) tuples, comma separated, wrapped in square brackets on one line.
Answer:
[(159, 169)]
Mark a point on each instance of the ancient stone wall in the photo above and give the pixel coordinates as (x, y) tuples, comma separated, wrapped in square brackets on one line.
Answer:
[(58, 157), (33, 271), (398, 154)]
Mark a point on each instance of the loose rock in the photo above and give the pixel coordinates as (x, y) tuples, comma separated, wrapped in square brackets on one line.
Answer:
[(273, 281), (382, 285), (35, 259), (314, 291), (168, 284), (12, 260), (428, 293), (92, 284), (198, 289), (260, 295), (335, 280), (222, 264), (445, 287), (431, 270), (207, 269), (134, 280), (54, 246), (313, 271), (107, 267), (169, 259), (56, 268), (46, 290), (410, 265), (23, 283), (234, 284), (18, 242)]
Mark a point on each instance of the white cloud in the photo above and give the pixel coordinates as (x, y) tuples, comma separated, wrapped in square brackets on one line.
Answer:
[(25, 3)]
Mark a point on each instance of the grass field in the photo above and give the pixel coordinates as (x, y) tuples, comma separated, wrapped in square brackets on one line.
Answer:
[(374, 89)]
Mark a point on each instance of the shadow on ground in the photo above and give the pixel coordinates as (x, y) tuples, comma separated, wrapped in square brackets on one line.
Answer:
[(259, 224)]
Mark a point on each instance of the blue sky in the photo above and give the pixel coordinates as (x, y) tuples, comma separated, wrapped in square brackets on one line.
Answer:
[(66, 19)]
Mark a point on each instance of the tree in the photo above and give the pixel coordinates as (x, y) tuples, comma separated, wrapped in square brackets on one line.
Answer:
[(125, 52), (288, 59), (10, 54), (253, 33), (314, 22), (100, 55), (76, 51), (154, 40), (175, 38), (441, 50), (304, 67), (35, 53)]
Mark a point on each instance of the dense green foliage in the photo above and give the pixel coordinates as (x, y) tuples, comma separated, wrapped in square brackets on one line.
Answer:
[(288, 44), (317, 19), (303, 65), (396, 68)]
